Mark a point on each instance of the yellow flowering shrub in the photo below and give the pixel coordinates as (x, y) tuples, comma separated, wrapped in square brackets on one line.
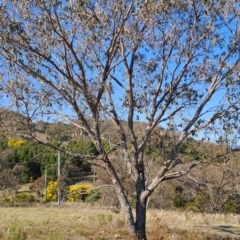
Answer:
[(74, 192), (52, 191), (80, 191), (15, 143)]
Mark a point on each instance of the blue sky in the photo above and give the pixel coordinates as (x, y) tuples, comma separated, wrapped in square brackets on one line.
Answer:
[(140, 79)]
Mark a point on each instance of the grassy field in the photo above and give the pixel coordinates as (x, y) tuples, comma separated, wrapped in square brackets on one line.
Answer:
[(80, 221)]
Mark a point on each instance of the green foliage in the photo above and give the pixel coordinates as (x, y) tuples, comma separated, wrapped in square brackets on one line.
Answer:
[(5, 158), (92, 197), (178, 199), (3, 142), (104, 219), (16, 233), (54, 235), (229, 207), (82, 146), (7, 199), (132, 200), (24, 197), (194, 153), (81, 232), (35, 158), (26, 155), (198, 203), (194, 203), (106, 146)]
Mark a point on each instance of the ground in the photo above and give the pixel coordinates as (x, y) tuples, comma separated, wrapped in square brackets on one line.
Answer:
[(226, 226), (80, 221)]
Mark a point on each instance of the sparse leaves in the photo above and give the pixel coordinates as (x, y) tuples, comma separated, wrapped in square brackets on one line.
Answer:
[(123, 60)]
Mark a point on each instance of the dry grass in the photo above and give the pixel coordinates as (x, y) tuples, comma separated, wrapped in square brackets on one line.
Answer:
[(79, 221), (189, 225), (73, 221)]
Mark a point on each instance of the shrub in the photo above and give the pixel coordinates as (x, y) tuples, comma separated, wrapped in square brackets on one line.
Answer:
[(93, 196), (76, 192), (83, 146), (178, 198), (51, 193), (15, 143), (7, 199), (106, 146), (24, 197), (229, 207)]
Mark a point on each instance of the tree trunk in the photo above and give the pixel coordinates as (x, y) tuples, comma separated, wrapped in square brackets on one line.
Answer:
[(122, 198), (140, 223), (138, 227)]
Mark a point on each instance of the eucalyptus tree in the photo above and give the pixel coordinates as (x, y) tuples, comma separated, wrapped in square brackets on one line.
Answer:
[(167, 63)]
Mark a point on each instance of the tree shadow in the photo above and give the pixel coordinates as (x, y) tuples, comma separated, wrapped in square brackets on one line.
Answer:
[(233, 231)]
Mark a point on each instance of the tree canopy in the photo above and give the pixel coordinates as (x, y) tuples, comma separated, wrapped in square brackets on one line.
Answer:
[(168, 63)]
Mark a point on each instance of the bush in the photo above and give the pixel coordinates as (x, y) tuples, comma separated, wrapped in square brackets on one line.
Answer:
[(15, 143), (83, 146), (229, 207), (178, 198), (76, 192), (52, 191), (7, 199), (24, 197), (106, 146), (93, 196)]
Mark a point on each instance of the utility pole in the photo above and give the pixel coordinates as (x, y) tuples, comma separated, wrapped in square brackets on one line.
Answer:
[(59, 172), (45, 184)]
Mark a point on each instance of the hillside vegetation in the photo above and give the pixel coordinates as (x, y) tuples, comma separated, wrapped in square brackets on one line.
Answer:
[(211, 187)]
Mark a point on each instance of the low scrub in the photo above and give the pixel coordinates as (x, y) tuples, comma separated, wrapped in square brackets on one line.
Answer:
[(24, 197)]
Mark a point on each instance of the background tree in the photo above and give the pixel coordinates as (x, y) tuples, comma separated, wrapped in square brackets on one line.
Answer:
[(6, 154), (168, 63), (10, 182), (218, 181), (39, 186)]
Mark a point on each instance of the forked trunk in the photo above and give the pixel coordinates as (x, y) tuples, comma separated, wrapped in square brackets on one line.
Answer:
[(138, 227)]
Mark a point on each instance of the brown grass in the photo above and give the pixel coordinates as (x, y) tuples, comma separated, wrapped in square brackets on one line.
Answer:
[(81, 221)]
